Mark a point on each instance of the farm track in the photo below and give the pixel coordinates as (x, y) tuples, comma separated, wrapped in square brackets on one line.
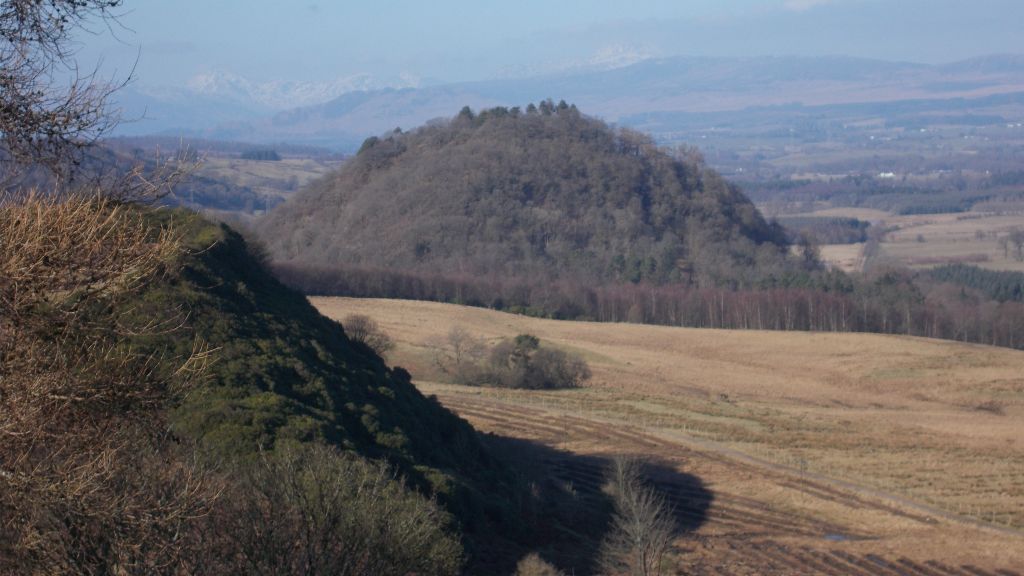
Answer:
[(755, 535)]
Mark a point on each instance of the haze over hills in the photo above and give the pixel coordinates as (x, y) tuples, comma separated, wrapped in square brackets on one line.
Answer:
[(341, 114), (221, 98)]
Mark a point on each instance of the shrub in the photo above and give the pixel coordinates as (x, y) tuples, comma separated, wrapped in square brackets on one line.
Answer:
[(365, 330), (89, 482), (522, 362), (351, 516), (460, 354)]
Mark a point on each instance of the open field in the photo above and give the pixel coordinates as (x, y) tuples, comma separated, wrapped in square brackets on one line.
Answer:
[(274, 180), (814, 453), (928, 240), (846, 257), (973, 238)]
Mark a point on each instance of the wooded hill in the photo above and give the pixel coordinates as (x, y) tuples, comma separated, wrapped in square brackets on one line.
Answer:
[(549, 212), (542, 194)]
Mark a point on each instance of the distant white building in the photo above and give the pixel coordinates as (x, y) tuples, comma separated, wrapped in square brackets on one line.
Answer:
[(887, 175)]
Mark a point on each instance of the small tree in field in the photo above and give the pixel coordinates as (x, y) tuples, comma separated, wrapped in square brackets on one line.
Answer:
[(642, 528)]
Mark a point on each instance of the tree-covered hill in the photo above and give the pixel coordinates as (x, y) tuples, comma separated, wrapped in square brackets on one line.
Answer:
[(542, 194)]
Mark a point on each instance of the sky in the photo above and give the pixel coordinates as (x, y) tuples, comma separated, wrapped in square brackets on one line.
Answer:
[(168, 42)]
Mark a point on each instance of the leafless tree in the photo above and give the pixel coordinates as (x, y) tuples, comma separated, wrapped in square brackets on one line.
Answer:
[(642, 527), (460, 354), (50, 110)]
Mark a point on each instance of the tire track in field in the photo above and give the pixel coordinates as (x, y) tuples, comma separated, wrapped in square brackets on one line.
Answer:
[(751, 527)]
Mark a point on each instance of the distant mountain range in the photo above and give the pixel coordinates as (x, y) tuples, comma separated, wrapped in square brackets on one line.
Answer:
[(342, 113)]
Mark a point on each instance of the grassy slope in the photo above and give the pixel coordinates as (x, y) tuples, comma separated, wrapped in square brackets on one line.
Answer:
[(282, 372)]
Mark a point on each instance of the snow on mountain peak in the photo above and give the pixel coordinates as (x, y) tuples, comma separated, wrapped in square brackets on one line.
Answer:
[(284, 94)]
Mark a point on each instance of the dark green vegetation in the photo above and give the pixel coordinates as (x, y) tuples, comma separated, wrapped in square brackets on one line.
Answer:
[(284, 373), (267, 155), (1002, 286), (546, 194), (823, 230)]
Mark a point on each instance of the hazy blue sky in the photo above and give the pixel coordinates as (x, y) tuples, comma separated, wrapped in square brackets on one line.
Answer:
[(448, 40)]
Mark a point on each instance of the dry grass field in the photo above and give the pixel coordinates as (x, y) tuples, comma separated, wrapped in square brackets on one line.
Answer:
[(928, 240), (846, 257), (274, 179), (816, 453)]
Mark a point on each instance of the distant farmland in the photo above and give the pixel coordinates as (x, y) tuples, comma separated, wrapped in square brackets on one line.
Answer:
[(928, 240), (820, 453)]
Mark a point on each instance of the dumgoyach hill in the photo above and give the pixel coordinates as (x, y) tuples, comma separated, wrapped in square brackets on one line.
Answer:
[(543, 194), (546, 211)]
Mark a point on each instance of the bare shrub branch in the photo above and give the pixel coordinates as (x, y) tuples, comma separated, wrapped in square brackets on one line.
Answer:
[(313, 510), (89, 483), (365, 330), (47, 121)]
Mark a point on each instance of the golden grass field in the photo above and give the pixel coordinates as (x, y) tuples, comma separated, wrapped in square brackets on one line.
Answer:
[(825, 453)]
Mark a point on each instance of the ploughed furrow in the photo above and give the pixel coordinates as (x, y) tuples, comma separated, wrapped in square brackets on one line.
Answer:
[(562, 426), (888, 568), (749, 528), (771, 557), (533, 424), (883, 567), (742, 514), (565, 423), (829, 493), (923, 570), (833, 565), (946, 570), (802, 561), (506, 424), (974, 571), (769, 562)]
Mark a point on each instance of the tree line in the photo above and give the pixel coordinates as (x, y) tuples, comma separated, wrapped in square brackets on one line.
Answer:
[(889, 302)]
